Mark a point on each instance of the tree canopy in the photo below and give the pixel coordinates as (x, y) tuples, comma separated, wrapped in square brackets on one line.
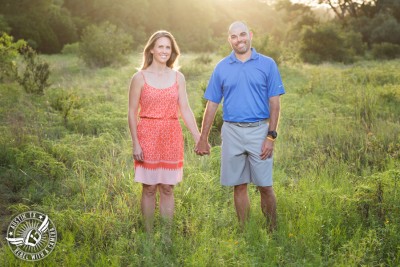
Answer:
[(48, 25)]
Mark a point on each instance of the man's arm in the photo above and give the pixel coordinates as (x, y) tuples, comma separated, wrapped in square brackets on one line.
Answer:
[(274, 113), (203, 147)]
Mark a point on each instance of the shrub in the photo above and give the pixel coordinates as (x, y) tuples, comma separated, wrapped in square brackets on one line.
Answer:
[(8, 55), (385, 51), (104, 45), (35, 73), (325, 43), (70, 48), (263, 45), (203, 59), (64, 102)]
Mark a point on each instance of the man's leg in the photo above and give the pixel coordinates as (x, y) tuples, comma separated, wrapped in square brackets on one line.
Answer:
[(242, 203), (268, 205), (148, 205)]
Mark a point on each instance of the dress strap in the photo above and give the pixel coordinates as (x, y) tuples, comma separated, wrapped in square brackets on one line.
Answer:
[(176, 76), (144, 77)]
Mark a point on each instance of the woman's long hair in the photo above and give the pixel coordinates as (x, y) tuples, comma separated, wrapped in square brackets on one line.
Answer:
[(148, 56)]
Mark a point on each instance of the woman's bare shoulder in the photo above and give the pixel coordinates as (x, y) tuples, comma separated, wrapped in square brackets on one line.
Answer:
[(137, 79)]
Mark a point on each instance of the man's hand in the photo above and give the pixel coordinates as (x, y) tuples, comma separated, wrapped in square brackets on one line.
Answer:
[(267, 149), (202, 147)]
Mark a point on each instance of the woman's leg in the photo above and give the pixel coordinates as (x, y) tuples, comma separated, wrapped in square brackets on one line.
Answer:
[(167, 201), (148, 205)]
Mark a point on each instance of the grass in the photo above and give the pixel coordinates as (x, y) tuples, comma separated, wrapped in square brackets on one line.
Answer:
[(68, 154)]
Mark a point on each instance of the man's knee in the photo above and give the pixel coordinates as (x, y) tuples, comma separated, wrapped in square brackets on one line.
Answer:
[(266, 190), (240, 189)]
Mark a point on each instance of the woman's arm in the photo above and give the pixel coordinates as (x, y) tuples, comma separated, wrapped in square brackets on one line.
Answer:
[(186, 111), (135, 90)]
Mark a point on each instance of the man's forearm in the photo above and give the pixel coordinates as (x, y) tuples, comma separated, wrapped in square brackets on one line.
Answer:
[(208, 119), (274, 113)]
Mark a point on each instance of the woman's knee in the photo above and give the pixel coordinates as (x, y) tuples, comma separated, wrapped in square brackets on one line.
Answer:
[(149, 190), (167, 190)]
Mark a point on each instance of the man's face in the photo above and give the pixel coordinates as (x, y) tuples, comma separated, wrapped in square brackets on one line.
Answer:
[(240, 39)]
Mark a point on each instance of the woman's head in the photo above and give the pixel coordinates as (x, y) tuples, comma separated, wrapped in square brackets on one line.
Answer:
[(148, 55)]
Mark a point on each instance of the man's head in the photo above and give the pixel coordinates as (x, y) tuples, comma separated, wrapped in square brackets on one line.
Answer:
[(240, 37)]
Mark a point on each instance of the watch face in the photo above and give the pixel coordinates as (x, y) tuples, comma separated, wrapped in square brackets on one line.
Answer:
[(273, 134)]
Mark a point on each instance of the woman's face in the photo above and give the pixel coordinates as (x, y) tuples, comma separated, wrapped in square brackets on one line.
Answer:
[(162, 50)]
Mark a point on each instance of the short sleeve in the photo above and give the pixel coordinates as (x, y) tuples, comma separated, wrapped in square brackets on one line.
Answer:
[(214, 88), (275, 84)]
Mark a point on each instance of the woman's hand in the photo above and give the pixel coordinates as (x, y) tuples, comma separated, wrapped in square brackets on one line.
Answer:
[(138, 153)]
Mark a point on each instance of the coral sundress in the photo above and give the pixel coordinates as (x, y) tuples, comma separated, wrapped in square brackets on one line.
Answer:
[(160, 136)]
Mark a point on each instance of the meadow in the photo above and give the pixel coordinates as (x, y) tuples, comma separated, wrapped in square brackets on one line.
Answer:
[(67, 153)]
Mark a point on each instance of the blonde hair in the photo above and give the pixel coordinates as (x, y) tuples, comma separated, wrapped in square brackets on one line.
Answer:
[(148, 56)]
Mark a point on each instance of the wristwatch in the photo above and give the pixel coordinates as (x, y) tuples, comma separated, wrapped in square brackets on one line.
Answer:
[(272, 134)]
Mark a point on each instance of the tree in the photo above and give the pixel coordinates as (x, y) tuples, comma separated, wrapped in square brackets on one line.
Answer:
[(344, 8), (323, 43), (43, 23), (104, 45)]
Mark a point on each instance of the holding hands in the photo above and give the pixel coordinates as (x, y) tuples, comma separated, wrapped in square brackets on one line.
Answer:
[(202, 147)]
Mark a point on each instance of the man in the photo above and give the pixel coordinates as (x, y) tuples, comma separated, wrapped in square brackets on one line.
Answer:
[(250, 85)]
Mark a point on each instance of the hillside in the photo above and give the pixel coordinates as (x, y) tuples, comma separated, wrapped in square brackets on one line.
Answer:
[(67, 153)]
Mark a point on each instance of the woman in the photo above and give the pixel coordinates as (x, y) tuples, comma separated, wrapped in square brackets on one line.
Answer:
[(159, 92)]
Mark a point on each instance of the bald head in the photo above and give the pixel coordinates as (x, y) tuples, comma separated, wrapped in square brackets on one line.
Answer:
[(238, 25)]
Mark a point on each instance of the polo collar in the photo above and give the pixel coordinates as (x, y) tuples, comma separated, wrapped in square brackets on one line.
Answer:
[(233, 59)]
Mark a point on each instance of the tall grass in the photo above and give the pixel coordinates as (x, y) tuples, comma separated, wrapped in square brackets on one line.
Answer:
[(336, 172)]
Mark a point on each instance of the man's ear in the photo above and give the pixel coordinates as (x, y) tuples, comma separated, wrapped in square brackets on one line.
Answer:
[(251, 35)]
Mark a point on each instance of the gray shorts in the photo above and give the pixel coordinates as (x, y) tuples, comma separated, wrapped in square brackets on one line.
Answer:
[(241, 162)]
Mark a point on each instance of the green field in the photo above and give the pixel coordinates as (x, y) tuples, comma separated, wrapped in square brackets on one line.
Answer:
[(67, 153)]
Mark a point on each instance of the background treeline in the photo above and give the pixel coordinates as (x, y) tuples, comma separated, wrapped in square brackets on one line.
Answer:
[(341, 32)]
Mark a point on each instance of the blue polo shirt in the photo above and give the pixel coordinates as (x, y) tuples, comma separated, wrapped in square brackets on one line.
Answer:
[(245, 87)]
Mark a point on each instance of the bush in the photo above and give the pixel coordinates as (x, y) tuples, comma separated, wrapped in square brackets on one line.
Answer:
[(70, 49), (104, 45), (35, 72), (203, 59), (263, 46), (9, 51), (325, 43), (64, 102), (385, 51)]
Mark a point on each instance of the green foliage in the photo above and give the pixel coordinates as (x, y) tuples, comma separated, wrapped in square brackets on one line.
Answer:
[(64, 102), (4, 28), (70, 49), (386, 29), (336, 172), (37, 162), (328, 43), (203, 59), (385, 51), (9, 52), (45, 25), (104, 45), (35, 72), (264, 46)]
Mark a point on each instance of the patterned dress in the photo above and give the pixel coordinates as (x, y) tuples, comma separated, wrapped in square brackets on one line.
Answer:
[(160, 136)]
